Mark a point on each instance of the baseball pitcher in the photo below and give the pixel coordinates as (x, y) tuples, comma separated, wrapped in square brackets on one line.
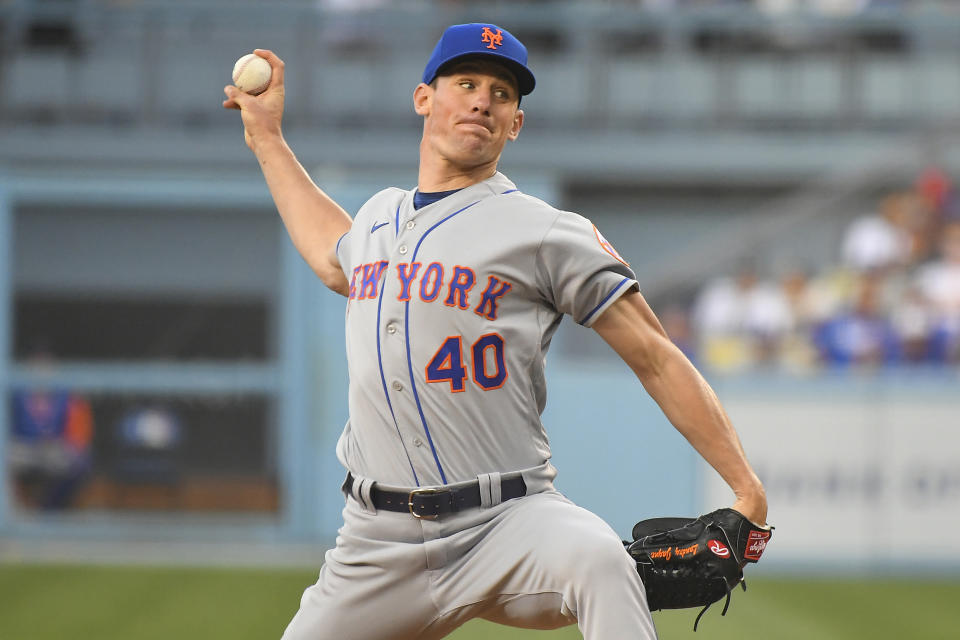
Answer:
[(453, 291)]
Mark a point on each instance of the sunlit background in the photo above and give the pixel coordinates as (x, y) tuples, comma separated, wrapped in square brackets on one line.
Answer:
[(779, 173)]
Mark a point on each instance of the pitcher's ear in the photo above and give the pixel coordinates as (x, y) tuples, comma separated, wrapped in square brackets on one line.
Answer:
[(517, 125), (421, 99)]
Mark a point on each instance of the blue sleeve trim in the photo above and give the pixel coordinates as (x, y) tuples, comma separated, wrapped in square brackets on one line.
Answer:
[(604, 301)]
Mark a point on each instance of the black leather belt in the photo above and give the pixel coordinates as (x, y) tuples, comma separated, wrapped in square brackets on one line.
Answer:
[(431, 503)]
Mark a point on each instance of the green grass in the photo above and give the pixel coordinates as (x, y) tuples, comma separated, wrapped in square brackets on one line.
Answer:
[(44, 602)]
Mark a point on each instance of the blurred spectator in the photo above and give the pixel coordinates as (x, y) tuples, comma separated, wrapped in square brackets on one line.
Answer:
[(50, 444), (148, 446), (863, 335), (880, 241), (913, 321), (827, 294), (939, 282), (926, 216), (807, 304), (933, 186), (148, 456), (740, 321)]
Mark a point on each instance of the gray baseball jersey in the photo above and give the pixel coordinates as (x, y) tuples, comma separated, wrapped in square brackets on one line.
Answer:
[(450, 314)]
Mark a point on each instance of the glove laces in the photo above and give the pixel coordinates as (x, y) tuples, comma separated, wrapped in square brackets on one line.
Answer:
[(726, 604)]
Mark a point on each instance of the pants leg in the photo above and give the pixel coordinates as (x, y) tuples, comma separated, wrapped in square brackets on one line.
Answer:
[(371, 587), (543, 563), (538, 562)]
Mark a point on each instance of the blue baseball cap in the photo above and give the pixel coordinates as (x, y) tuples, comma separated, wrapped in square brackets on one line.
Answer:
[(480, 39)]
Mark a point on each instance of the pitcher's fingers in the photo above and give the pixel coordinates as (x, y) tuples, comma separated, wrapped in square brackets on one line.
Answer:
[(276, 66), (235, 97)]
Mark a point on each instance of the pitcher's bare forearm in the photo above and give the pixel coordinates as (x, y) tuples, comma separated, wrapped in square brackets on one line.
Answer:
[(313, 219), (695, 411), (688, 402)]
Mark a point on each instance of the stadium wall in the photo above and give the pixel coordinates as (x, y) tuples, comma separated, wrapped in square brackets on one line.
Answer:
[(85, 135)]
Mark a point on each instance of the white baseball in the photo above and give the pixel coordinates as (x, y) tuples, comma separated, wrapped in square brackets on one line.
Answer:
[(251, 74)]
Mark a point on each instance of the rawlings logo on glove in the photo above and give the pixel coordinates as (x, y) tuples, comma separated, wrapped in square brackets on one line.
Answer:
[(693, 562), (717, 547), (756, 543)]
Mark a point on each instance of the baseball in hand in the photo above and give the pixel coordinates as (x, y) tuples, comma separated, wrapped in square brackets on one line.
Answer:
[(251, 74)]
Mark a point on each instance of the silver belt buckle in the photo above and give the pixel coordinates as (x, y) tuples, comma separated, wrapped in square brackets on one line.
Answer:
[(423, 492)]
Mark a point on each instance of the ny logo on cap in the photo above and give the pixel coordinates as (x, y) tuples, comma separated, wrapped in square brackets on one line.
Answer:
[(492, 39)]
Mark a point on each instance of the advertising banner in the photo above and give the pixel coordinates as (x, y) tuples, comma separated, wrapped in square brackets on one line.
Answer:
[(856, 482)]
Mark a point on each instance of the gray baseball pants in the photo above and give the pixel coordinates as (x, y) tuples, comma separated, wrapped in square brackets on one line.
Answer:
[(537, 562)]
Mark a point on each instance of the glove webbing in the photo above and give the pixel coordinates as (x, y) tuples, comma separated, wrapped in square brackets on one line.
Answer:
[(743, 582), (680, 582), (726, 605)]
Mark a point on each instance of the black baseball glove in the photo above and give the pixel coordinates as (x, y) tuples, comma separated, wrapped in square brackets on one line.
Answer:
[(693, 562)]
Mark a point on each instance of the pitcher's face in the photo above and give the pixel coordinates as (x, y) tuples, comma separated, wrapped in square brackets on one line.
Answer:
[(470, 112)]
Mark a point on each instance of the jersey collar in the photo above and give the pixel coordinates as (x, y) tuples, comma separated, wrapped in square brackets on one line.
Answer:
[(493, 186)]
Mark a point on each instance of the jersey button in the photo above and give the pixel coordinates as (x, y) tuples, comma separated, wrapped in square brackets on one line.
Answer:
[(397, 386), (391, 328), (402, 249), (411, 224), (417, 442)]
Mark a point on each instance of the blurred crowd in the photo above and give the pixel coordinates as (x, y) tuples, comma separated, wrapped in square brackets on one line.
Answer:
[(50, 451), (892, 296)]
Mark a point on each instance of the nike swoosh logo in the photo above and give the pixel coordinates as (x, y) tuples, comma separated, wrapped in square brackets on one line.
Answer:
[(377, 226)]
